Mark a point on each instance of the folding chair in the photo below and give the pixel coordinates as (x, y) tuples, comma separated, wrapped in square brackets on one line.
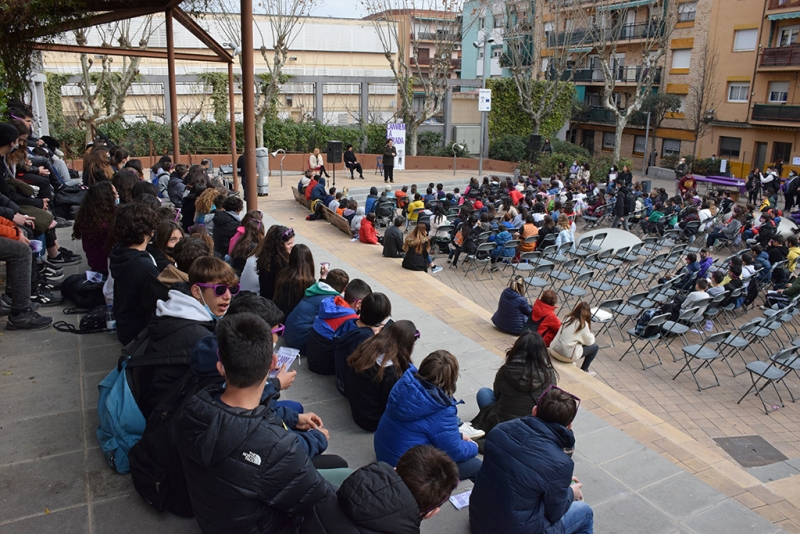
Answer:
[(678, 328), (564, 273), (537, 278), (655, 324), (602, 286), (472, 261), (597, 241), (770, 372), (603, 315), (726, 311), (582, 248), (706, 356), (637, 274), (629, 255), (738, 342), (577, 289), (651, 244), (528, 261), (442, 242), (511, 244)]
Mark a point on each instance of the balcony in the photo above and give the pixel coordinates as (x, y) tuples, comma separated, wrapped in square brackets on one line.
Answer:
[(620, 33), (784, 56), (783, 4), (631, 74), (776, 112), (606, 116), (426, 62)]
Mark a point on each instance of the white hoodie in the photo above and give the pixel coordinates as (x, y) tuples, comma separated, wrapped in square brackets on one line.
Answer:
[(182, 306)]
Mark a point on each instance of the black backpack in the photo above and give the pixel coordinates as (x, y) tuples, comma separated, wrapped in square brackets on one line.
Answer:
[(82, 292), (752, 292), (156, 468), (91, 323)]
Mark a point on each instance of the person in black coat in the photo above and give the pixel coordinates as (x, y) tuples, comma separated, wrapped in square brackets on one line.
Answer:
[(377, 499), (132, 268), (226, 223), (351, 163), (246, 473), (623, 206), (389, 153), (393, 240)]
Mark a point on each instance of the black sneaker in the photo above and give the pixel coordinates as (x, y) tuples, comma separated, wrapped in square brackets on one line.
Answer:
[(63, 259), (51, 272), (49, 285), (28, 320), (68, 253), (45, 298), (5, 305)]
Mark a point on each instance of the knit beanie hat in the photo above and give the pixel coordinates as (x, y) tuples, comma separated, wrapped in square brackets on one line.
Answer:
[(8, 134)]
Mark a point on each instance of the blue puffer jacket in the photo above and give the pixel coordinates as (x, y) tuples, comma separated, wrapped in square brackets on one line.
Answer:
[(300, 321), (499, 250), (512, 312), (419, 413), (524, 483)]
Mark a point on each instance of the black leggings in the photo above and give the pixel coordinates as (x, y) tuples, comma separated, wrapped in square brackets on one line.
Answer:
[(589, 354)]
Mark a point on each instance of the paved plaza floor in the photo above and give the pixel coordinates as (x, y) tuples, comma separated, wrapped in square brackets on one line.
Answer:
[(645, 451)]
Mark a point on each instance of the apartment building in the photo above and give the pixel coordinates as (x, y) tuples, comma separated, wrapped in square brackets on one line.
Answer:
[(757, 119)]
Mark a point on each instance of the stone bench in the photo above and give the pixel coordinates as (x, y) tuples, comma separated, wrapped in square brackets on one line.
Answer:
[(337, 220)]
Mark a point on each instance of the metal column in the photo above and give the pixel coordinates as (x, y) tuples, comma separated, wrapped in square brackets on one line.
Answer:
[(173, 92), (249, 107), (363, 107), (319, 112), (448, 116), (233, 126)]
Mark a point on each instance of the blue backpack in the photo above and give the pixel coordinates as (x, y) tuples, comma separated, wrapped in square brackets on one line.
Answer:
[(121, 422), (641, 329)]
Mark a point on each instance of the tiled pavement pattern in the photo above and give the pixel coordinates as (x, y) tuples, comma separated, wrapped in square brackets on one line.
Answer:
[(54, 479)]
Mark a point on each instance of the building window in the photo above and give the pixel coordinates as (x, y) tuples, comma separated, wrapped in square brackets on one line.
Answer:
[(778, 92), (499, 22), (745, 40), (671, 148), (781, 152), (788, 35), (729, 147), (682, 107), (681, 59), (638, 144), (686, 11), (289, 101), (738, 92), (608, 140), (481, 23)]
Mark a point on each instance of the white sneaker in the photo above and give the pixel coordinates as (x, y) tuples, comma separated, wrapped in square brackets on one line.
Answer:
[(472, 433)]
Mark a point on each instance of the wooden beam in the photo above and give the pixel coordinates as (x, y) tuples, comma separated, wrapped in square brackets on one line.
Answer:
[(190, 24), (131, 52), (94, 20)]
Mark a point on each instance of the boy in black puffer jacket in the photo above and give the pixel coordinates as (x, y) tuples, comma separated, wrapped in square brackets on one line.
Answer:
[(378, 499)]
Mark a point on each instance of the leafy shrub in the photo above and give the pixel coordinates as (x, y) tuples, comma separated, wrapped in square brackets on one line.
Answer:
[(573, 151), (509, 147)]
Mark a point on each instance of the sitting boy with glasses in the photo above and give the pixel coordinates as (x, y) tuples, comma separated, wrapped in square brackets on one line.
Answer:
[(530, 487)]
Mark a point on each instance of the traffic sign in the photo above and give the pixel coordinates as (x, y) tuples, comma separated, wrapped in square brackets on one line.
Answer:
[(485, 100)]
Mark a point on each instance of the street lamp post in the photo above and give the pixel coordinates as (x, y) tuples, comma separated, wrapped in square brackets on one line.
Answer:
[(460, 147), (646, 136), (274, 154), (486, 42)]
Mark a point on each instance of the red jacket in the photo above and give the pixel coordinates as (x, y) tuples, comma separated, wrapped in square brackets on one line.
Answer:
[(8, 229), (311, 185), (367, 233), (549, 323)]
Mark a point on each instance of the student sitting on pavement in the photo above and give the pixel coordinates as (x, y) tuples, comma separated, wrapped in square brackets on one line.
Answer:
[(134, 226), (543, 318), (301, 319), (367, 233), (417, 247), (526, 483), (245, 471), (375, 309), (377, 498), (333, 312), (374, 368), (176, 276), (393, 240), (526, 373), (575, 340), (226, 223), (422, 411), (179, 323), (513, 309)]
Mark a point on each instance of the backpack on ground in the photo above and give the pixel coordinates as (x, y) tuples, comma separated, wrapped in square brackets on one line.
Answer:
[(83, 293), (91, 323), (156, 468), (642, 329), (121, 422), (68, 199)]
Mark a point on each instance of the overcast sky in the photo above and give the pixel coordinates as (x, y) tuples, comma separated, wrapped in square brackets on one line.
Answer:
[(348, 9)]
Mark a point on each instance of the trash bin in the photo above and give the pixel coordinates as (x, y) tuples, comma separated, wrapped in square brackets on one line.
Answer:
[(646, 186), (262, 169)]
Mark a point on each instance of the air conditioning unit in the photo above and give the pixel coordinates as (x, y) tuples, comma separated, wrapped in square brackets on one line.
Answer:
[(456, 46)]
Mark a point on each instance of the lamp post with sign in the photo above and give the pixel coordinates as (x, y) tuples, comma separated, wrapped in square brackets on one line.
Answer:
[(484, 106)]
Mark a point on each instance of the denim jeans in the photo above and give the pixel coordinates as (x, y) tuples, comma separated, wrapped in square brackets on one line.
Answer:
[(485, 397), (579, 519), (293, 405), (468, 469)]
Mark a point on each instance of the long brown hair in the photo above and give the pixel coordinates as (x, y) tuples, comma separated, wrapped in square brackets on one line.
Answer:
[(271, 255), (294, 279), (164, 232), (440, 368), (252, 236), (96, 159), (206, 200), (582, 314), (395, 342), (418, 239)]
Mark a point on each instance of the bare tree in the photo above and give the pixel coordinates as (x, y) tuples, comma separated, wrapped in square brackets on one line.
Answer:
[(658, 105), (702, 97), (440, 33), (543, 57), (104, 92), (285, 17), (646, 44)]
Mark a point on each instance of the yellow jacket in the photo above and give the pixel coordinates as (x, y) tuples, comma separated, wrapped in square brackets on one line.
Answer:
[(794, 253), (417, 204)]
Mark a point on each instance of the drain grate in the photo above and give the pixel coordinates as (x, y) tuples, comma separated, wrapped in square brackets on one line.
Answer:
[(751, 451)]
